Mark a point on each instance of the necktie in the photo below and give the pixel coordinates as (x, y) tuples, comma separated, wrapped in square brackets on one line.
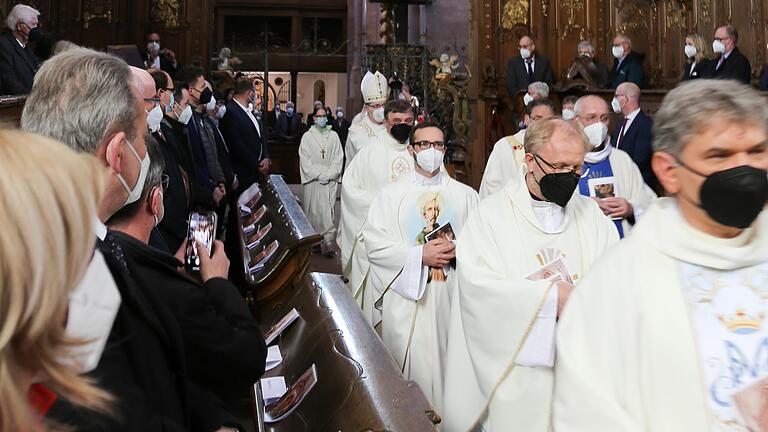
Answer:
[(720, 62), (529, 66), (621, 133)]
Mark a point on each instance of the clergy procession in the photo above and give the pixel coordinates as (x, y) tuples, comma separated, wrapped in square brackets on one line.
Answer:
[(587, 255)]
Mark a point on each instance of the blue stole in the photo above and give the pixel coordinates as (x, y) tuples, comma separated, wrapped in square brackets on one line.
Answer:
[(598, 170)]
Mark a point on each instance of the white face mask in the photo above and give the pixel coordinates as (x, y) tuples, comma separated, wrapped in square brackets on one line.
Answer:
[(525, 53), (153, 46), (93, 306), (135, 193), (568, 114), (618, 51), (154, 117), (527, 99), (616, 105), (690, 51), (340, 114), (718, 47), (185, 115), (597, 133), (378, 114), (211, 105), (429, 160), (222, 111)]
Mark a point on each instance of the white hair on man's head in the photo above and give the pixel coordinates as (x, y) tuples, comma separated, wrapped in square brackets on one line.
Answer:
[(624, 38), (20, 13), (540, 88), (586, 45), (579, 105)]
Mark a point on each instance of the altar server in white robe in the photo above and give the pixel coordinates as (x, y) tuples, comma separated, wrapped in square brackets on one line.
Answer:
[(321, 159), (509, 153), (368, 126), (377, 165), (408, 237), (670, 333), (610, 176), (518, 258)]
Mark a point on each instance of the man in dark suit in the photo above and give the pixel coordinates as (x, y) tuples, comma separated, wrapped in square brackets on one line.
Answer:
[(731, 64), (244, 137), (634, 134), (143, 364), (528, 67), (18, 63), (157, 58), (627, 66), (289, 125)]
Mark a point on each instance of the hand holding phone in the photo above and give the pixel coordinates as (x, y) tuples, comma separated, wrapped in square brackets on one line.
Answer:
[(213, 263), (201, 229)]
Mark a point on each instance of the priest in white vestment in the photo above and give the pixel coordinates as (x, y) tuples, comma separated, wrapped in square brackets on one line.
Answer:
[(670, 332), (519, 256), (408, 238), (368, 126), (508, 153), (321, 159), (610, 176), (377, 165)]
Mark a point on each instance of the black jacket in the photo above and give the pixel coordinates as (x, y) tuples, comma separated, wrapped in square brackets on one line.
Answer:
[(630, 70), (517, 73), (289, 128), (17, 65), (341, 127), (246, 146), (143, 366), (222, 152), (735, 67), (637, 142), (165, 64), (173, 227), (175, 135), (223, 346), (701, 70)]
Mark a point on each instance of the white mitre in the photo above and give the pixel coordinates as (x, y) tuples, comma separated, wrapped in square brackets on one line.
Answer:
[(374, 87)]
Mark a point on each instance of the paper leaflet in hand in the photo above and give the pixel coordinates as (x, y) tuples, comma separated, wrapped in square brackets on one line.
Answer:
[(276, 411), (554, 270), (444, 231), (280, 326)]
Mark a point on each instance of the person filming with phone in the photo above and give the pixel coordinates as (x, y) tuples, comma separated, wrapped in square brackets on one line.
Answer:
[(224, 348)]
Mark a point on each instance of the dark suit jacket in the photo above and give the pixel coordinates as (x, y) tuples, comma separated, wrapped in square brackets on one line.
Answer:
[(701, 70), (246, 147), (637, 143), (630, 70), (517, 73), (222, 152), (143, 366), (341, 127), (176, 137), (165, 64), (17, 65), (735, 67), (224, 349), (286, 134), (764, 79), (173, 227)]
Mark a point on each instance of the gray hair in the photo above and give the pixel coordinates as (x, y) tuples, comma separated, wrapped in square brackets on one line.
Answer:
[(624, 38), (539, 134), (20, 13), (685, 111), (539, 87), (586, 44), (80, 97), (580, 102)]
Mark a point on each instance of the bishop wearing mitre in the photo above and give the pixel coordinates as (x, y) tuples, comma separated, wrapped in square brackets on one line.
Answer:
[(368, 126), (670, 332), (509, 152), (378, 164), (610, 176), (409, 241), (520, 254)]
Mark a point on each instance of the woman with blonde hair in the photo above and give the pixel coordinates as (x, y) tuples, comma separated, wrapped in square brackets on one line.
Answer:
[(697, 62), (48, 202)]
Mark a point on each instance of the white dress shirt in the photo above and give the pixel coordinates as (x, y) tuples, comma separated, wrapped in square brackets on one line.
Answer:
[(250, 116)]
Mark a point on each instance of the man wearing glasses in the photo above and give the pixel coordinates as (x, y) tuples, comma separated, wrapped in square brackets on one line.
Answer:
[(731, 64), (518, 258), (368, 126), (409, 237)]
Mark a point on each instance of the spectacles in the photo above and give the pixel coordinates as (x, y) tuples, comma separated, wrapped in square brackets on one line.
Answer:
[(155, 101), (426, 145), (592, 117), (560, 169), (722, 39)]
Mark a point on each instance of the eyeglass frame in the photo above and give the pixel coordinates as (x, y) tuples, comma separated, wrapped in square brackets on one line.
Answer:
[(555, 170), (430, 144)]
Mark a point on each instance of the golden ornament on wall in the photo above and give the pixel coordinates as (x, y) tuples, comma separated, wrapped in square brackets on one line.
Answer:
[(514, 12), (166, 12)]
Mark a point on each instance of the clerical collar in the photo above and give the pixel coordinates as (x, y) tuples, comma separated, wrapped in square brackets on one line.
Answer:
[(421, 180), (598, 154)]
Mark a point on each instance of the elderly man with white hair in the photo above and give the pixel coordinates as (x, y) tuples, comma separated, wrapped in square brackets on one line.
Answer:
[(536, 90), (18, 63), (628, 66), (519, 256), (587, 66), (669, 334)]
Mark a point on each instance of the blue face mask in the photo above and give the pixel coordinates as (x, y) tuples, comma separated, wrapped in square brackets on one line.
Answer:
[(169, 107), (321, 122)]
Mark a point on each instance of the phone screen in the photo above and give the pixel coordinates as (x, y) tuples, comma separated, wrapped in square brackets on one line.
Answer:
[(202, 228)]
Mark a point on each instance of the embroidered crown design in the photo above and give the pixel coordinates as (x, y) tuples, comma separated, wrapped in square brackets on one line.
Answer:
[(741, 322)]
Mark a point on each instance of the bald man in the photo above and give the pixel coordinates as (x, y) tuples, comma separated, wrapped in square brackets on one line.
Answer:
[(146, 84), (634, 133)]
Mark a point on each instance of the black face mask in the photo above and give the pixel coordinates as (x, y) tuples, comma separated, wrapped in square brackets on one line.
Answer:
[(557, 187), (733, 197), (205, 96), (34, 34), (401, 132)]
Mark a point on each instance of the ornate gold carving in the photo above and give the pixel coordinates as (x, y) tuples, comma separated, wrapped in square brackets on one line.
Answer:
[(96, 9), (514, 12), (706, 8), (385, 24), (632, 16), (166, 12), (675, 14), (572, 6)]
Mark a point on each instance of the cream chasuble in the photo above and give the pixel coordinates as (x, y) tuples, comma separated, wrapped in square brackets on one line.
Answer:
[(503, 163), (360, 135), (378, 164), (635, 344), (416, 299), (320, 160), (498, 315)]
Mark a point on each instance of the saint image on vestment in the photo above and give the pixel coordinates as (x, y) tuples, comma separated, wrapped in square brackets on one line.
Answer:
[(429, 206)]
